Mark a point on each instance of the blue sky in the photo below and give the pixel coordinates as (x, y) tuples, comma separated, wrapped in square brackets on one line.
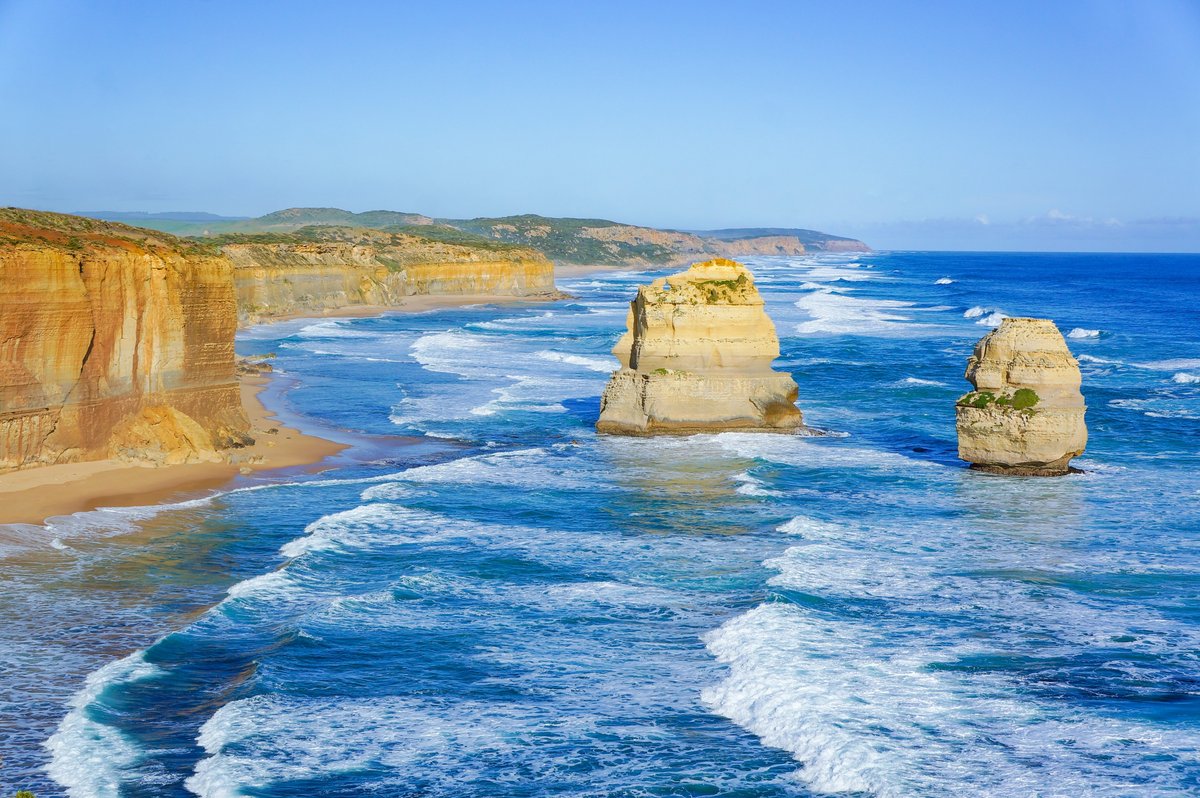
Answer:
[(1015, 125)]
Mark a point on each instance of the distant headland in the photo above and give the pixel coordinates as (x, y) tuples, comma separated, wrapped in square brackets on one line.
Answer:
[(599, 242)]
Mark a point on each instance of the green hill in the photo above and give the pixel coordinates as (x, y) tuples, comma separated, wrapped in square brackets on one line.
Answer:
[(567, 240)]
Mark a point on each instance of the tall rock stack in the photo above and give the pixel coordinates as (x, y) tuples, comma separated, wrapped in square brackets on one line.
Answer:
[(696, 357), (1025, 415)]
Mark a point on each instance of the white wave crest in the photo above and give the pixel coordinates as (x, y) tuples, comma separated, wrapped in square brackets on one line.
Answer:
[(1183, 378), (838, 314), (943, 281), (865, 701), (1080, 332), (333, 328), (749, 485), (993, 319), (592, 363), (910, 381), (87, 757)]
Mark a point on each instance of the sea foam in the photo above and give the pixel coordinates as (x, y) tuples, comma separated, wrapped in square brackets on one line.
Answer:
[(862, 681), (88, 757), (838, 314)]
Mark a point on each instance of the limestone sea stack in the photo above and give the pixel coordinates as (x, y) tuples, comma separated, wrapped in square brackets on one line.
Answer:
[(696, 357), (1025, 415)]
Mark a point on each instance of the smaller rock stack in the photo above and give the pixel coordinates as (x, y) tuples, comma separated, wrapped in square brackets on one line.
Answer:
[(697, 358), (1025, 415)]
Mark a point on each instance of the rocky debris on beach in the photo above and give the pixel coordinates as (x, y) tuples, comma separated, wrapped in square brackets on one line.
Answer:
[(1026, 414), (696, 357), (252, 365)]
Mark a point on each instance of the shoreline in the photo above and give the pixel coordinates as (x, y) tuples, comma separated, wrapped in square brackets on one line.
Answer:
[(35, 495)]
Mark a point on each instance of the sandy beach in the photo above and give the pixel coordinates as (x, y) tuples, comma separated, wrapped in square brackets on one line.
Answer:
[(30, 496)]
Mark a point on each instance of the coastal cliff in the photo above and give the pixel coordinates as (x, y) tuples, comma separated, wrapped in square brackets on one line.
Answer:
[(696, 356), (117, 342), (325, 268), (1026, 413), (114, 342)]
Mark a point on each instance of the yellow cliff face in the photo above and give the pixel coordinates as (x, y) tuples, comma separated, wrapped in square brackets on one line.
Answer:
[(1026, 414), (696, 356), (374, 268), (113, 342)]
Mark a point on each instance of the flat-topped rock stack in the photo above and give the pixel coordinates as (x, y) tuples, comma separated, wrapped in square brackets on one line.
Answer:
[(696, 357), (1025, 415)]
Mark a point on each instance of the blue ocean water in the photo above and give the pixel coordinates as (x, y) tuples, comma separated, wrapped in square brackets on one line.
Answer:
[(518, 607)]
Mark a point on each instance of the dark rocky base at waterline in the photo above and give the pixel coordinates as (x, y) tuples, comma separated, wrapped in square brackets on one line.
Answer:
[(1053, 470)]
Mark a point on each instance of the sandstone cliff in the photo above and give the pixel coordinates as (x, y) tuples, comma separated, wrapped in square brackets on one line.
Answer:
[(114, 342), (1026, 414), (696, 357), (326, 268)]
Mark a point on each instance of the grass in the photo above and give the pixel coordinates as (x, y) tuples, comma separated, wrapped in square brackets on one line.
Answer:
[(717, 290), (1023, 399), (563, 239)]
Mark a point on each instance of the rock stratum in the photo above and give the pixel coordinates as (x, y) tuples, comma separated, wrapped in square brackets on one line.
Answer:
[(1026, 413), (319, 269), (114, 342), (696, 357)]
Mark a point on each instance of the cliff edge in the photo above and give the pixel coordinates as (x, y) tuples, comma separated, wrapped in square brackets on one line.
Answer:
[(1026, 413), (114, 342), (696, 357)]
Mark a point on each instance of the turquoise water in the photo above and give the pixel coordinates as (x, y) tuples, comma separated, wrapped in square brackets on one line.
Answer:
[(517, 607)]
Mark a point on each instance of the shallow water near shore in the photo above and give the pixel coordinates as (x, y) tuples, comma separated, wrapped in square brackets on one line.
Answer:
[(521, 607)]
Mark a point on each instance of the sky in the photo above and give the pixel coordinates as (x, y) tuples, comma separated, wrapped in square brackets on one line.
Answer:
[(1068, 125)]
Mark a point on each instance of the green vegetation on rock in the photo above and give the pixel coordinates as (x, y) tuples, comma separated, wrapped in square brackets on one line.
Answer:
[(1022, 399), (717, 290)]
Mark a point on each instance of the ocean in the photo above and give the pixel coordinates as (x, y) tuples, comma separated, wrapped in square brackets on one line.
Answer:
[(515, 606)]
